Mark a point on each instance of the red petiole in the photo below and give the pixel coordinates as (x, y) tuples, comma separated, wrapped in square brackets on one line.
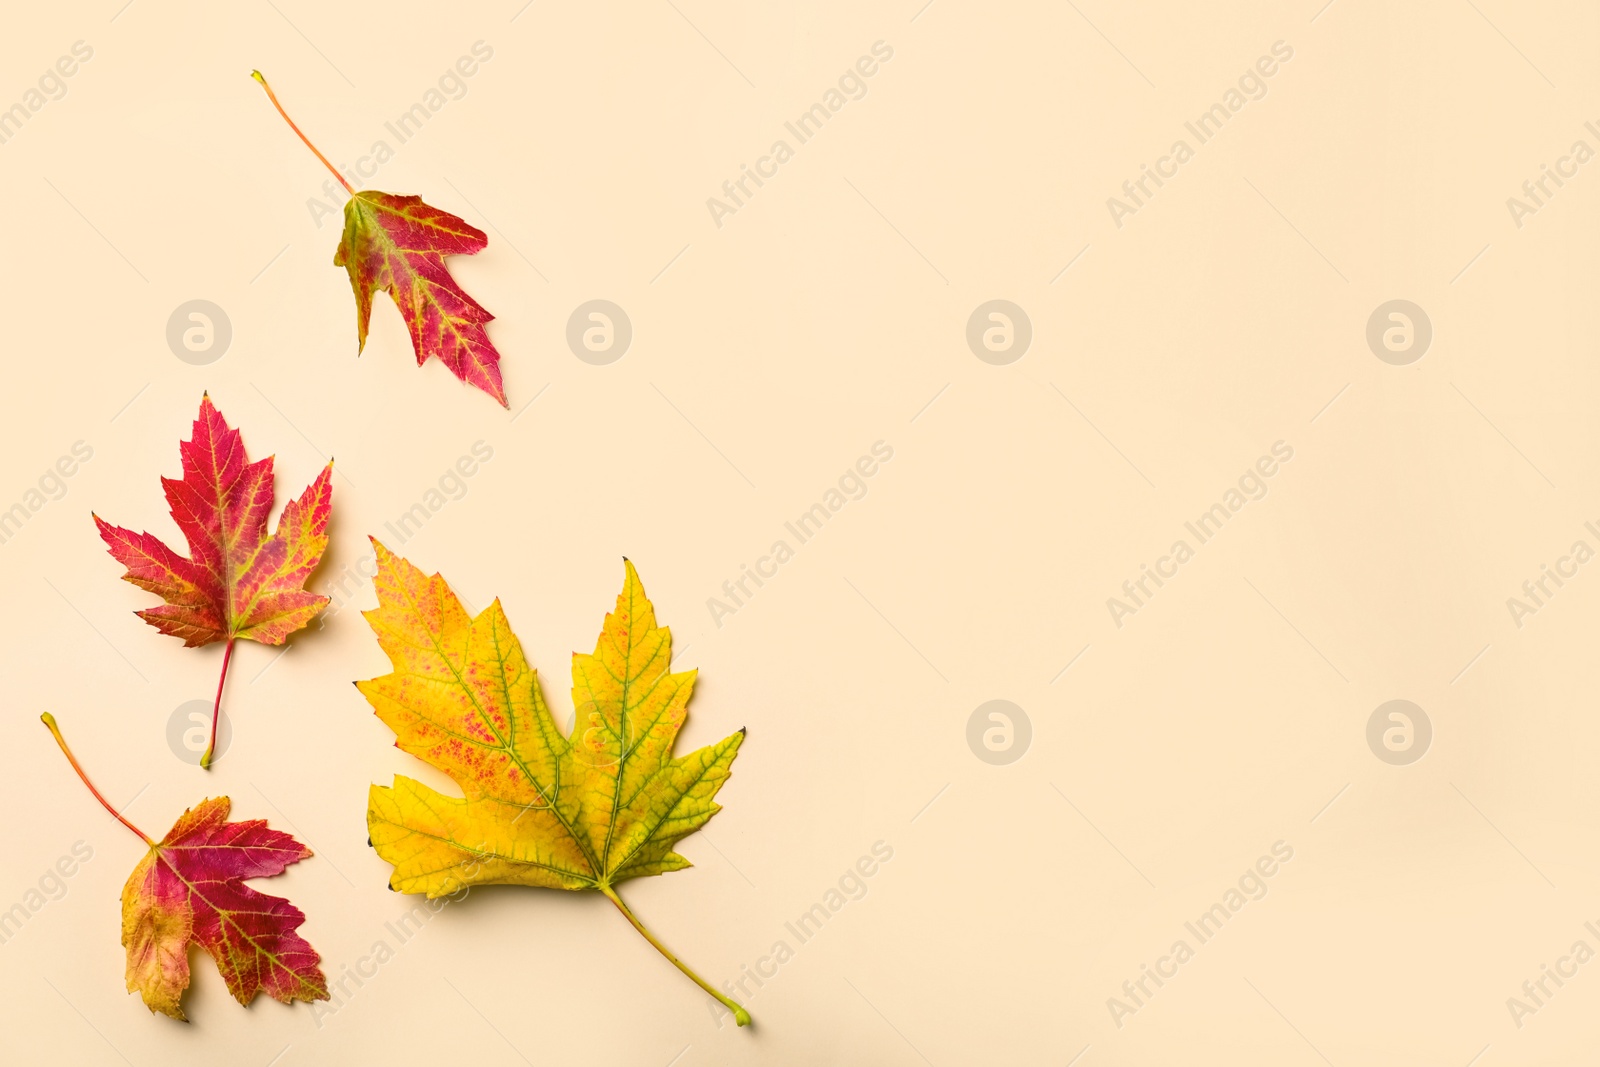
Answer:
[(256, 74), (216, 707), (55, 731)]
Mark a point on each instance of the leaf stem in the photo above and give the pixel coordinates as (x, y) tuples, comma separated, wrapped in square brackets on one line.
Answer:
[(216, 708), (256, 74), (740, 1016), (55, 731)]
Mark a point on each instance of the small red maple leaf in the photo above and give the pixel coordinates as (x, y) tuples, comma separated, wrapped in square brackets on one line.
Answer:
[(397, 244), (237, 582), (189, 889)]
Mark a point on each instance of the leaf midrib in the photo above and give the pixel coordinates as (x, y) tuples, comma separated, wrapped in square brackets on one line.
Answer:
[(488, 722), (227, 917), (698, 778)]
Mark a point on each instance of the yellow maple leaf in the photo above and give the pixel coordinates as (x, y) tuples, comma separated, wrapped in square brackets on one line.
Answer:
[(580, 812)]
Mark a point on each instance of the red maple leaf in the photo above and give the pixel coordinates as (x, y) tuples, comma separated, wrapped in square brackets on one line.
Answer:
[(189, 889), (237, 582), (397, 244)]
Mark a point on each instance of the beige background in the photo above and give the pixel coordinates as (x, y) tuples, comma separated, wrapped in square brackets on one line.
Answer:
[(1227, 314)]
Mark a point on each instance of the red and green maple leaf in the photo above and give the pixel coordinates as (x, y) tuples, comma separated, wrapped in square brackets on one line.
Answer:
[(397, 244), (237, 582), (190, 889)]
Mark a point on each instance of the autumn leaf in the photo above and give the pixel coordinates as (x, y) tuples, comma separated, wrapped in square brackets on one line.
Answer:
[(582, 812), (237, 582), (397, 244), (190, 889)]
